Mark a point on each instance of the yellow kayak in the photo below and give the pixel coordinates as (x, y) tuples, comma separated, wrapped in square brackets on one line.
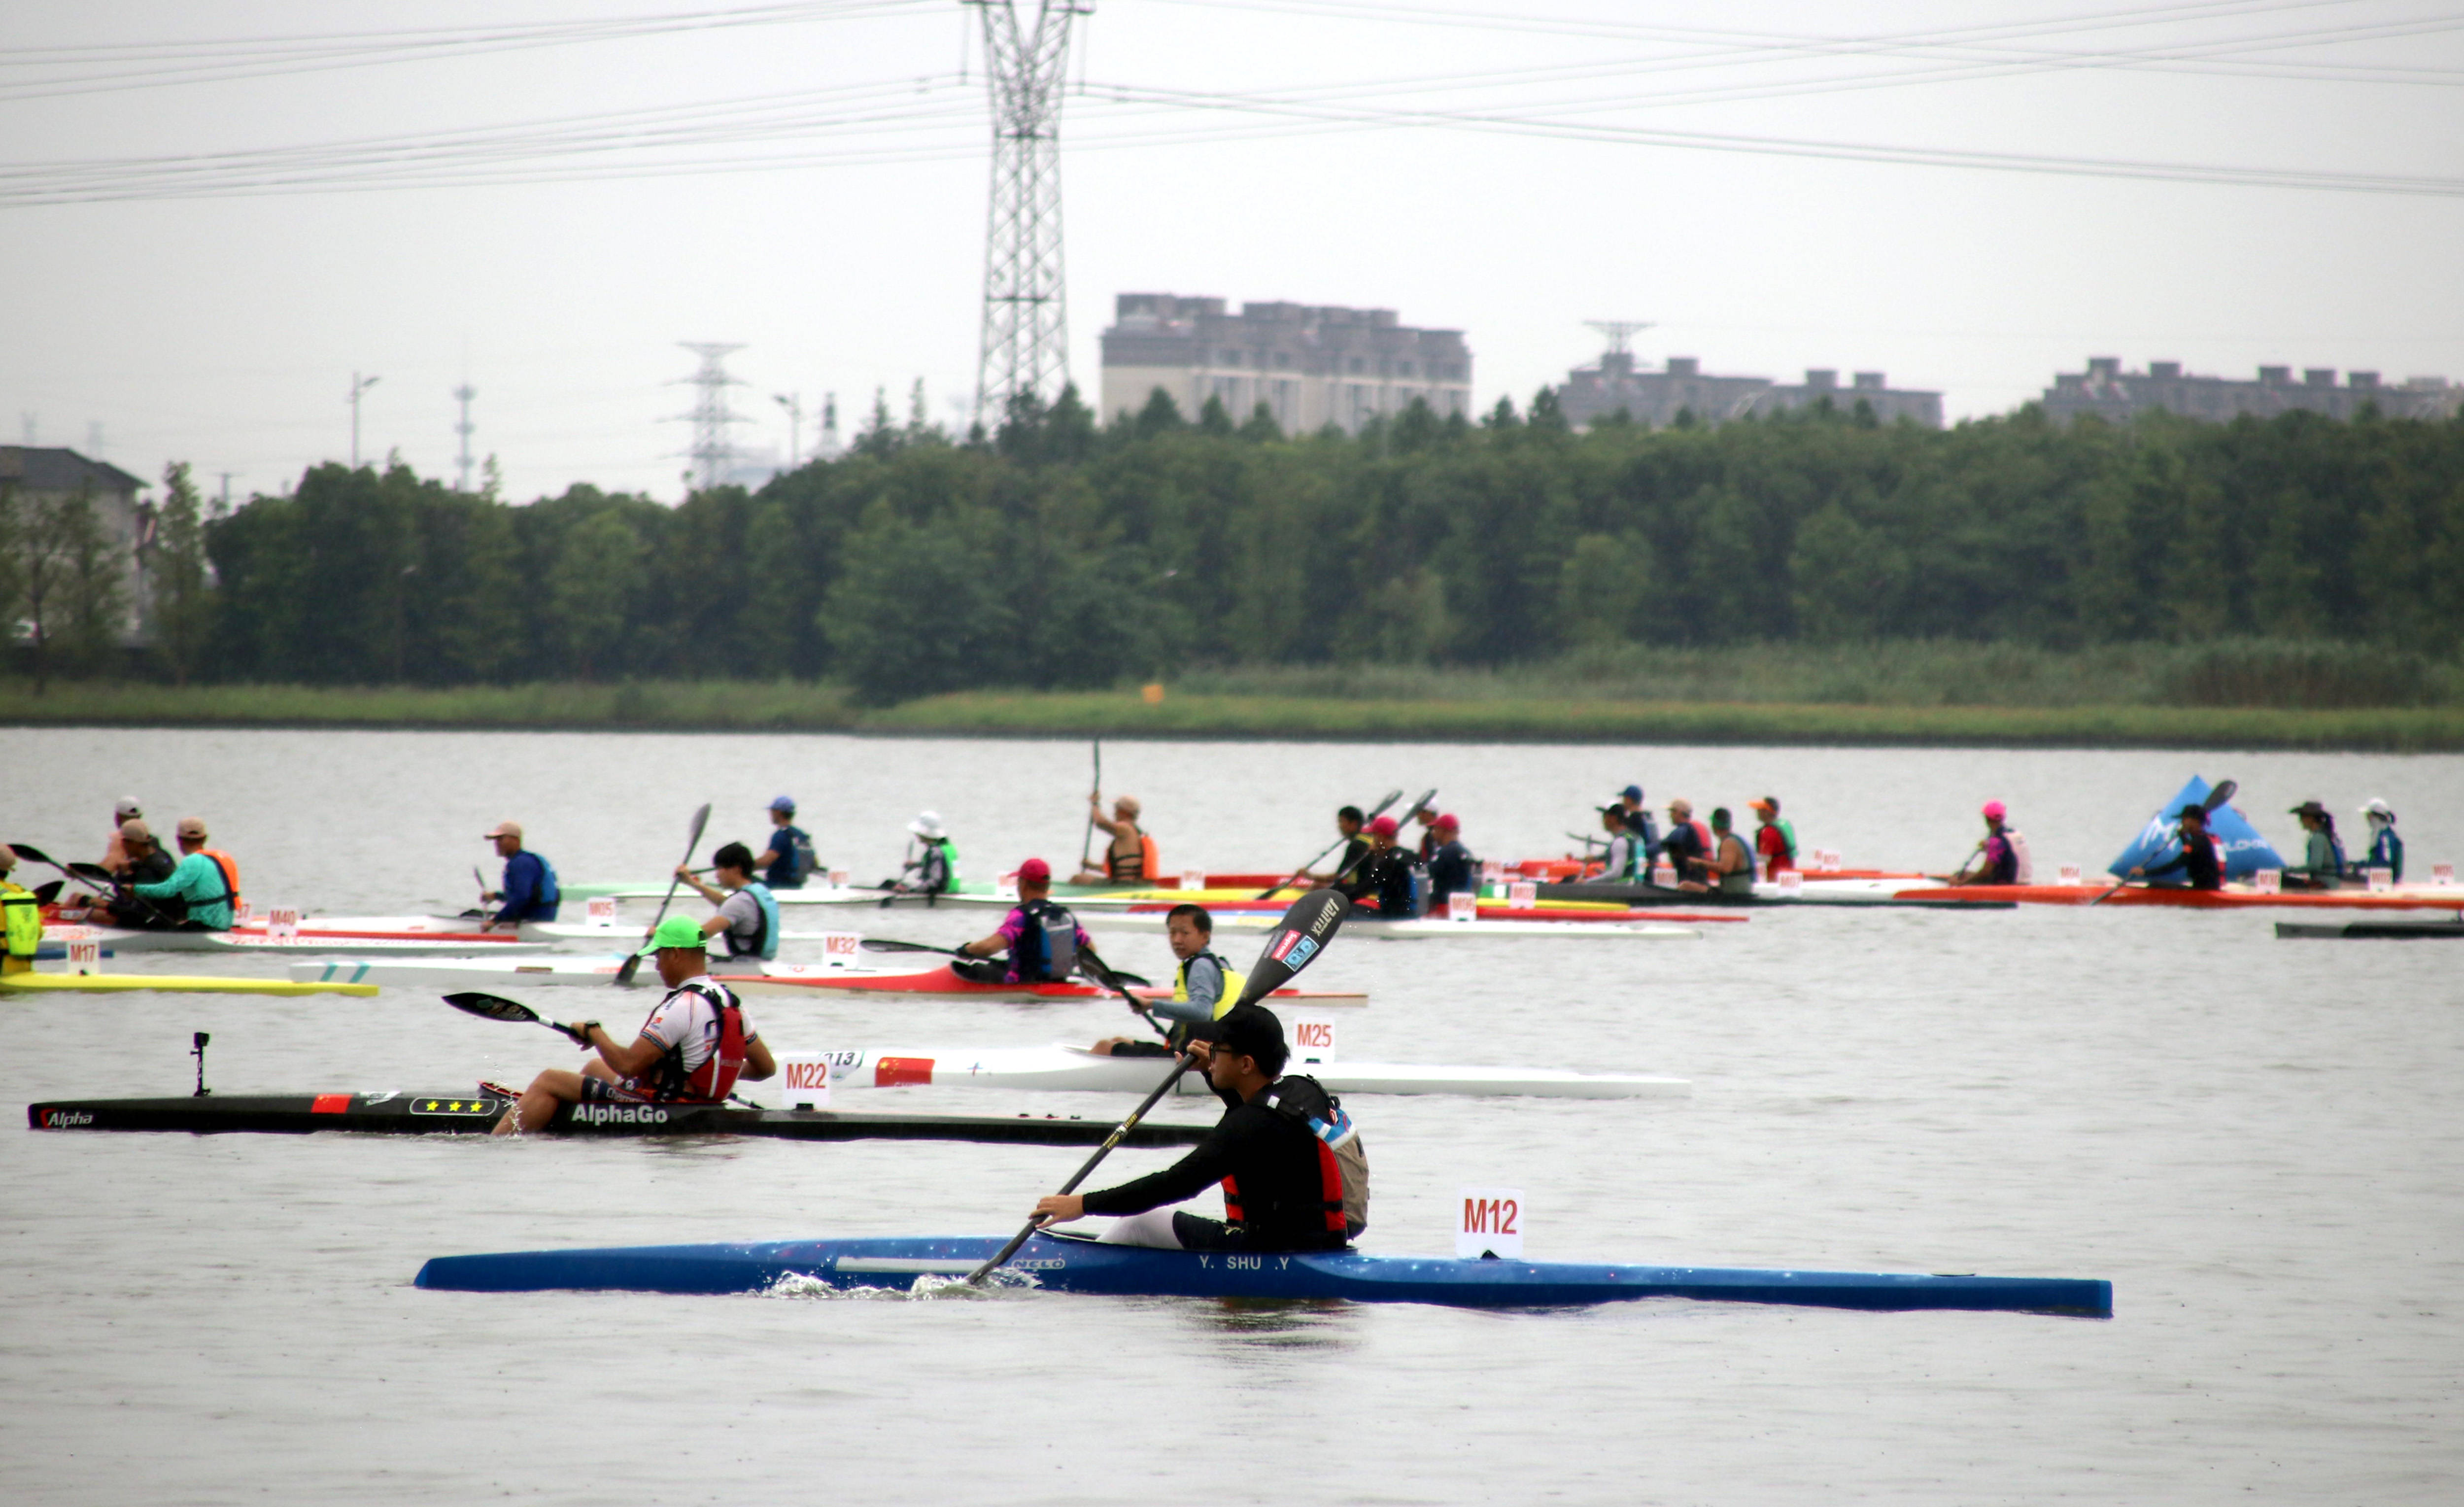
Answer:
[(168, 983)]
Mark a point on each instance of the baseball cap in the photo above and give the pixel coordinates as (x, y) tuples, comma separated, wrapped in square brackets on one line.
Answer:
[(8, 858), (504, 829), (1446, 824), (1129, 803), (1996, 809), (2193, 809), (191, 827), (1383, 827), (676, 931), (124, 808), (1762, 805), (1250, 1030), (1034, 871), (782, 802), (1631, 792), (134, 830)]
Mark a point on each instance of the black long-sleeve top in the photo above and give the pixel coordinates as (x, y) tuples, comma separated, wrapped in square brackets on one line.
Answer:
[(1276, 1182)]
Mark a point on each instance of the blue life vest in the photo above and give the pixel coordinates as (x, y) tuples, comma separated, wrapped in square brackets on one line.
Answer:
[(765, 943), (1047, 951)]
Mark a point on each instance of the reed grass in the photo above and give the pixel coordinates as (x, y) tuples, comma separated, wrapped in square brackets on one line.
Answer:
[(678, 705)]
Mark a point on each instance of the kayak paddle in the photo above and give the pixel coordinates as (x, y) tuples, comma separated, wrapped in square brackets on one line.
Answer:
[(885, 944), (1418, 807), (1391, 796), (1296, 941), (1097, 969), (33, 854), (494, 1006), (46, 893), (1087, 844), (633, 963), (2216, 797)]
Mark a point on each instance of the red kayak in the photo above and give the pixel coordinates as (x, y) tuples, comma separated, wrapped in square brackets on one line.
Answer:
[(2237, 897)]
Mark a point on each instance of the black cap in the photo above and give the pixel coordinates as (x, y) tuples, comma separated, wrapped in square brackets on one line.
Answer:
[(1251, 1031), (2194, 809)]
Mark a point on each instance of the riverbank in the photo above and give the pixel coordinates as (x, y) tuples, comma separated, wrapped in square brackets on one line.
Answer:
[(1553, 717)]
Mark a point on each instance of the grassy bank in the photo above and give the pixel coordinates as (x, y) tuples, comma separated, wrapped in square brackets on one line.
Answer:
[(1478, 709)]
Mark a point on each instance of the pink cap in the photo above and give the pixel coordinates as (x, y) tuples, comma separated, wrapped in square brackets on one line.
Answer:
[(1996, 809), (1383, 827), (1446, 824), (1034, 871)]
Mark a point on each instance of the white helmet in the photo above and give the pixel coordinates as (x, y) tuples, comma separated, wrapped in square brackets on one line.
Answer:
[(927, 824), (2379, 810)]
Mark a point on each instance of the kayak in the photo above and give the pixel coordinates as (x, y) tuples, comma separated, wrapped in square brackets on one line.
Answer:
[(940, 983), (869, 895), (2381, 930), (529, 970), (2233, 897), (1063, 1067), (585, 931), (1856, 891), (1361, 926), (1069, 1264), (365, 934), (476, 1114), (167, 983)]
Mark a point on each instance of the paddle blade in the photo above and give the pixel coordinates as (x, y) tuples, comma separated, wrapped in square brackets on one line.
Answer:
[(1295, 942), (886, 944), (495, 1008), (46, 893), (2223, 792), (701, 819), (90, 872), (32, 854)]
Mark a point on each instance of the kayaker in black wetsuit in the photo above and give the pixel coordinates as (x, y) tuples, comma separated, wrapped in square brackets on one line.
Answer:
[(1287, 1155), (1685, 846), (1356, 847), (1452, 869), (1389, 875), (2197, 861)]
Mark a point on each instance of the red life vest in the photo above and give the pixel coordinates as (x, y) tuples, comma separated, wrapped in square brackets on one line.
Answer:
[(1301, 1098), (711, 1082)]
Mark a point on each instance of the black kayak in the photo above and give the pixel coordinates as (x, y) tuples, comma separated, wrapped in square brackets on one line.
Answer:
[(2377, 929), (476, 1114), (1662, 895)]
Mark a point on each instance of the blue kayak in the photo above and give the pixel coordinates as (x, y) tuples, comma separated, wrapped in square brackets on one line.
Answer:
[(1069, 1264)]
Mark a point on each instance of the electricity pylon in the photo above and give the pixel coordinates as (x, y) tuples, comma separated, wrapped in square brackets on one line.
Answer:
[(1025, 351), (713, 453)]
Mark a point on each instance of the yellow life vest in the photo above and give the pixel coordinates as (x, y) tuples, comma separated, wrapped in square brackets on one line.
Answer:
[(1234, 979), (25, 920)]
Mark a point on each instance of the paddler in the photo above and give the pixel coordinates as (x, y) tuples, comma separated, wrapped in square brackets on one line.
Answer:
[(1131, 859), (2387, 849), (1627, 859), (529, 892), (934, 869), (115, 853), (747, 917), (2198, 862), (1204, 989), (1452, 869), (1637, 820), (692, 1049), (1390, 874), (143, 862), (790, 859), (21, 914), (1730, 869), (1688, 843), (2322, 860), (1356, 847), (1774, 840), (1995, 859), (1288, 1159), (1041, 940)]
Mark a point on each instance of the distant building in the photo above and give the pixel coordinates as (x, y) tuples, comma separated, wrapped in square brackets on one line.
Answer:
[(1311, 365), (33, 474), (2109, 392), (1617, 385)]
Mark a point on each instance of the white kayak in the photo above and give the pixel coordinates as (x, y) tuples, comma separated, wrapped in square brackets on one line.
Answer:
[(1419, 930), (351, 939), (1064, 1066), (585, 931), (528, 970)]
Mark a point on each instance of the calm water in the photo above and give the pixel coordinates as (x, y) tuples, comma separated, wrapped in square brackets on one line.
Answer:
[(2255, 1140)]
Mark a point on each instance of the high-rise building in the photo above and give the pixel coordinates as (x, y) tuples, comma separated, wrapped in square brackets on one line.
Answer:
[(1311, 364), (2109, 392), (1620, 385)]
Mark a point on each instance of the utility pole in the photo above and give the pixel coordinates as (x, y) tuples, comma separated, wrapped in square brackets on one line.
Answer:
[(359, 385), (227, 476), (828, 445), (794, 404), (463, 395), (712, 453), (1025, 351), (29, 421)]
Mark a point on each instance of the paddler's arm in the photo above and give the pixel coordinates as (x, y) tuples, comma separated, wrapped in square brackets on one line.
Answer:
[(759, 1064), (626, 1061), (984, 947), (1207, 1164), (709, 892)]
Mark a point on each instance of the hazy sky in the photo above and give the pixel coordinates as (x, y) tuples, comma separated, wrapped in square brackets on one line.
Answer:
[(543, 200)]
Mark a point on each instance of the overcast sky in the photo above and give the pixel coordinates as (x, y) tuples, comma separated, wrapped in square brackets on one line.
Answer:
[(454, 192)]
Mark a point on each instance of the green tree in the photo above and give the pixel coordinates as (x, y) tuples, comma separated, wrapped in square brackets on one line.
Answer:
[(1601, 589), (913, 611), (177, 576), (595, 573)]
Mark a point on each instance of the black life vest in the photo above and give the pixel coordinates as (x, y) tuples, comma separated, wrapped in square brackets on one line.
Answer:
[(1047, 951), (1343, 1165)]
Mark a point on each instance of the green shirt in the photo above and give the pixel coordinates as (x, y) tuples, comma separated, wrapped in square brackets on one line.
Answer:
[(199, 881)]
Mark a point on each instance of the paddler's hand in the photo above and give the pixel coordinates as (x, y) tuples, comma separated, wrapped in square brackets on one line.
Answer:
[(2138, 874), (1059, 1208)]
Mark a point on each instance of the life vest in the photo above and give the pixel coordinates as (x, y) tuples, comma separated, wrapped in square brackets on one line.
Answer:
[(1741, 883), (1702, 835), (1343, 1165), (765, 941), (2386, 851), (1146, 866), (937, 871), (549, 892), (1630, 861), (2023, 869), (1233, 982), (24, 920), (715, 1078), (1047, 951), (229, 867)]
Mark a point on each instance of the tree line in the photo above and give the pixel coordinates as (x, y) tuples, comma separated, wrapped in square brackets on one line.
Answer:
[(1060, 552)]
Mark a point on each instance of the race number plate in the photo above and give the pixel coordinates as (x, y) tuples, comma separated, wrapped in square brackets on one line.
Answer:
[(602, 910), (1313, 1039), (1488, 1222)]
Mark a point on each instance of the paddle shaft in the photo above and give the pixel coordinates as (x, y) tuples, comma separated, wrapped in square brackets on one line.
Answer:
[(633, 963), (1301, 872), (1087, 844), (1418, 807), (1180, 1065), (2216, 797)]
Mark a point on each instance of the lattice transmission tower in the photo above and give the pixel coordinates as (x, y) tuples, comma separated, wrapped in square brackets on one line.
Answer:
[(1620, 333), (1026, 322), (712, 451)]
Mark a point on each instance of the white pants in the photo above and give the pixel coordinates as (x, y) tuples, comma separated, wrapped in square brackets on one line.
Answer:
[(1152, 1229)]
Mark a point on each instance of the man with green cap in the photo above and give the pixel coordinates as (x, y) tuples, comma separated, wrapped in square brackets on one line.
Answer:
[(692, 1049)]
